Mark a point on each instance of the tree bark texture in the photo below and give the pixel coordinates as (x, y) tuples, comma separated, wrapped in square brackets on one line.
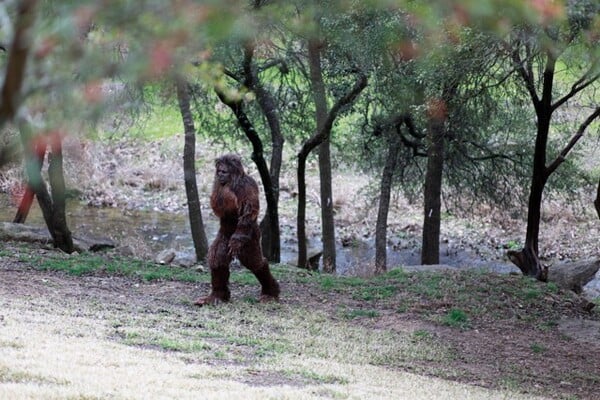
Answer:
[(189, 172), (430, 251), (52, 206), (11, 88), (320, 99), (538, 180), (384, 205), (327, 212), (318, 88), (301, 216), (17, 61), (528, 258), (62, 235), (597, 201)]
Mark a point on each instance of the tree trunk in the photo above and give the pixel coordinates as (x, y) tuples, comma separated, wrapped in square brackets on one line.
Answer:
[(327, 213), (528, 260), (53, 207), (314, 62), (327, 222), (17, 61), (62, 235), (430, 252), (597, 201), (272, 248), (538, 182), (301, 217), (37, 184), (271, 219), (318, 88), (384, 206), (189, 172)]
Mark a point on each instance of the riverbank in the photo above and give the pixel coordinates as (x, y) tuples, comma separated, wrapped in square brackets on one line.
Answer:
[(139, 186)]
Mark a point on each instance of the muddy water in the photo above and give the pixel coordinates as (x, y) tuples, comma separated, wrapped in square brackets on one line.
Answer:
[(157, 231)]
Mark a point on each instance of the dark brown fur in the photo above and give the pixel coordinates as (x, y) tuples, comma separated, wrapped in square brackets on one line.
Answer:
[(235, 202)]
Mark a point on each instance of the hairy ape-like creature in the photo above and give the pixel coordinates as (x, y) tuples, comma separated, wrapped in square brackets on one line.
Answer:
[(234, 200)]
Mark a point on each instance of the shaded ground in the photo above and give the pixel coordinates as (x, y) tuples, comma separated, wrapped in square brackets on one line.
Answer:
[(515, 334)]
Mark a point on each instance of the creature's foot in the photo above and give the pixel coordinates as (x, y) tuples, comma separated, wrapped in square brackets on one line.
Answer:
[(211, 300)]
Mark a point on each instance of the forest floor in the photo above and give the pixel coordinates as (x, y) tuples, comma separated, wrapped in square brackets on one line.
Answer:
[(84, 326), (101, 326)]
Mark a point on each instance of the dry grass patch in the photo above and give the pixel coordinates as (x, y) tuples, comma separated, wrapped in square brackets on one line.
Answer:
[(69, 358)]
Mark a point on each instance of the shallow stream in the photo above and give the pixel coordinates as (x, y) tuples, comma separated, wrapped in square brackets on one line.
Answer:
[(158, 231)]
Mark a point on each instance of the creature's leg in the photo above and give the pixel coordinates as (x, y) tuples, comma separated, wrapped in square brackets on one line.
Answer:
[(218, 261), (251, 257)]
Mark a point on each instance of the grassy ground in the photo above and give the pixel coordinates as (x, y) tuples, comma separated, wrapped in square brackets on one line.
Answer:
[(100, 326)]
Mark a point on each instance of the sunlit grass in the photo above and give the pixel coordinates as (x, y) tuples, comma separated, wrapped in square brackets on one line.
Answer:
[(86, 264), (162, 121), (8, 376)]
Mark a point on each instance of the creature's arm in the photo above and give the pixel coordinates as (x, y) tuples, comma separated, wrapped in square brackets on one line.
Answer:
[(248, 213)]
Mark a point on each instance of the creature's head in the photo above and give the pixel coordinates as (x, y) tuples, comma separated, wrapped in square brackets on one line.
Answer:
[(228, 169)]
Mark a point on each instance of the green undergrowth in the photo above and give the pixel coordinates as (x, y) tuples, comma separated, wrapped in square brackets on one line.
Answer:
[(159, 119), (91, 264), (88, 264), (459, 299), (456, 299)]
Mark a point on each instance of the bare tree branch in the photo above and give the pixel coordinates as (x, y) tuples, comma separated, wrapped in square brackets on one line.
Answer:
[(348, 98), (577, 87), (523, 67), (563, 154)]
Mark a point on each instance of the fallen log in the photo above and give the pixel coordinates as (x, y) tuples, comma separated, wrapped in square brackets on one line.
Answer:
[(32, 234)]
